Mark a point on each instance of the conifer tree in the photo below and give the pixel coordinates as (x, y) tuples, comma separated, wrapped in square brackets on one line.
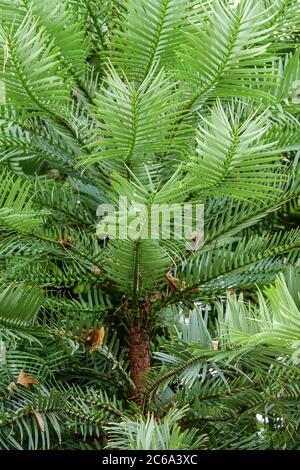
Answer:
[(136, 343)]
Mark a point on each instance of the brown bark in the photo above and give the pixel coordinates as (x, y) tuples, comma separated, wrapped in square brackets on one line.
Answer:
[(139, 358)]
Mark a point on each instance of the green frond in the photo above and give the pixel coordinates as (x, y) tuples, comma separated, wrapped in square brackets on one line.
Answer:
[(15, 205), (18, 307), (288, 74), (235, 264), (137, 122), (285, 18), (30, 418), (148, 434), (12, 13), (42, 142), (103, 19), (153, 31), (65, 204), (233, 63), (232, 157), (225, 218), (275, 321), (136, 266), (31, 70), (67, 32)]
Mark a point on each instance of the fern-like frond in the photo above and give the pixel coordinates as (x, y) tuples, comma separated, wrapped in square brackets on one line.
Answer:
[(67, 32), (153, 31), (148, 434), (16, 211), (275, 321), (231, 265), (232, 157), (31, 70), (234, 61), (137, 121)]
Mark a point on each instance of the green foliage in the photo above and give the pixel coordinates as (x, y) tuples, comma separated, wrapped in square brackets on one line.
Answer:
[(240, 374), (147, 435), (151, 114), (164, 102)]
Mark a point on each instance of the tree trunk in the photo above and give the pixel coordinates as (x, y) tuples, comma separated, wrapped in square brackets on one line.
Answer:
[(139, 359)]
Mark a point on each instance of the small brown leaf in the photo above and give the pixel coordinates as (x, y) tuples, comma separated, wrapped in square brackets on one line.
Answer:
[(195, 290), (173, 282), (26, 380), (231, 292), (214, 345), (156, 296), (66, 243), (193, 235), (106, 284), (281, 392), (27, 410), (95, 338), (96, 270), (39, 419), (12, 387)]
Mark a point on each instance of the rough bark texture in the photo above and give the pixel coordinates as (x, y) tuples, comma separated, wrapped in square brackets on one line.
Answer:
[(139, 358)]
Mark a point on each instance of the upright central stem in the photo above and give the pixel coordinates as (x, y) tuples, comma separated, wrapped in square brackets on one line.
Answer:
[(139, 358), (139, 341)]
